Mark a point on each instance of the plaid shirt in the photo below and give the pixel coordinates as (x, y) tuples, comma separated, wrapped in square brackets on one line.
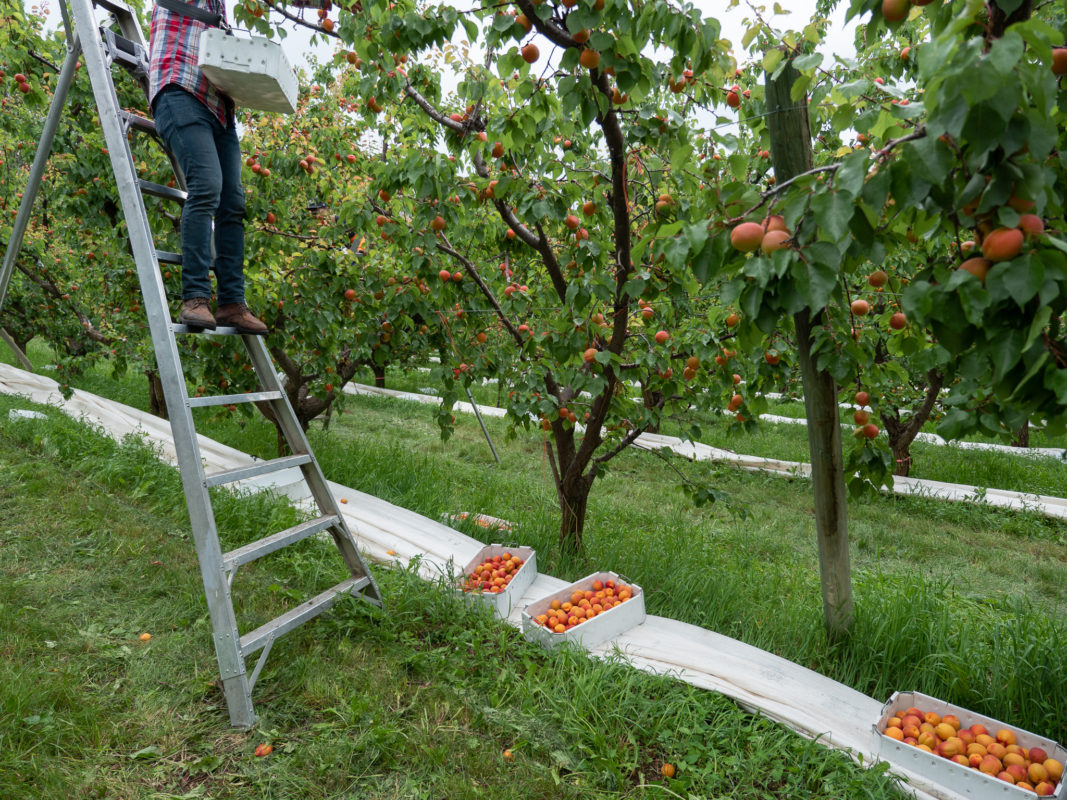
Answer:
[(174, 51)]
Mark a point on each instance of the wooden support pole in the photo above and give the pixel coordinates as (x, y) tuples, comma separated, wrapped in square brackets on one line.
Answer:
[(791, 154), (10, 342)]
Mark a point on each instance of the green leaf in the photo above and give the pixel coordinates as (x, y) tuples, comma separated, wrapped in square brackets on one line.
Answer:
[(833, 211)]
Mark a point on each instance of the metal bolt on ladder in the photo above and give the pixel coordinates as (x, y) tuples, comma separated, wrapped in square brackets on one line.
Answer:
[(101, 48)]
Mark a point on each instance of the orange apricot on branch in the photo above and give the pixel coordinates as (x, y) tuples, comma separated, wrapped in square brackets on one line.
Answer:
[(977, 266), (747, 236), (1002, 244), (774, 240)]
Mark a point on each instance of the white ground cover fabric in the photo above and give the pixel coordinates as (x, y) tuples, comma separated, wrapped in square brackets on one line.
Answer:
[(809, 703), (1019, 501)]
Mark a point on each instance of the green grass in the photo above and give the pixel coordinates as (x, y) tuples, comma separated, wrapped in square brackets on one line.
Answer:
[(961, 602), (415, 701)]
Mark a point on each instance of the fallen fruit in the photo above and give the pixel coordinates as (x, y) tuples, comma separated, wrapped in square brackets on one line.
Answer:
[(144, 637), (264, 750), (493, 575)]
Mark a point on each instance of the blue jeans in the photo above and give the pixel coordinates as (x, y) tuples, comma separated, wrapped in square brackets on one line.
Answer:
[(210, 156)]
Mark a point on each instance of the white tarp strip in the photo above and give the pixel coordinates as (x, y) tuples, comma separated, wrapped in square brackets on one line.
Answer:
[(1019, 501), (805, 701)]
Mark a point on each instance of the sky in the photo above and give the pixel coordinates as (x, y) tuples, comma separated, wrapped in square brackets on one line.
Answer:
[(297, 45)]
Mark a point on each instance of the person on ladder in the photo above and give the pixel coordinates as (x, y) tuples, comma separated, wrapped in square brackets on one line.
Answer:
[(196, 123)]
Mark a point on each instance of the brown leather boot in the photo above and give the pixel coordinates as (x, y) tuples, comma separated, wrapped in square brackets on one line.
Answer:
[(196, 314), (239, 317)]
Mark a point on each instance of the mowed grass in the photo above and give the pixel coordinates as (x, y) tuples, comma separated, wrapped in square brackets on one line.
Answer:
[(789, 442), (962, 602), (419, 700)]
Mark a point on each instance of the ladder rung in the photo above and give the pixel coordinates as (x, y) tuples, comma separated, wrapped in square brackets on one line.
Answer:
[(254, 640), (165, 257), (259, 468), (159, 190), (115, 7), (229, 399), (138, 123), (126, 53), (276, 541)]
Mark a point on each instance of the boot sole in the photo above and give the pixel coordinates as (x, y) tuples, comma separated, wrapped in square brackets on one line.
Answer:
[(195, 327), (243, 331)]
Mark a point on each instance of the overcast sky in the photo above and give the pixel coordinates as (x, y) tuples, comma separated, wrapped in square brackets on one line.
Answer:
[(297, 44)]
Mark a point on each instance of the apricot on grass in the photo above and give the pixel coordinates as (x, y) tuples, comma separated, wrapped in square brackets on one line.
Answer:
[(747, 237)]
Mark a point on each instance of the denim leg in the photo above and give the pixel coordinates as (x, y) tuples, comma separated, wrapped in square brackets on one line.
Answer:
[(190, 131), (229, 220)]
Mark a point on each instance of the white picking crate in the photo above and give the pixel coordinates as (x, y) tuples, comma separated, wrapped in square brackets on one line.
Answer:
[(253, 72), (592, 632), (503, 602), (960, 779)]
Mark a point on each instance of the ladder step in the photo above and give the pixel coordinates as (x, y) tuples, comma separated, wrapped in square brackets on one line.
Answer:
[(165, 257), (259, 468), (254, 640), (159, 190), (126, 53), (138, 123), (116, 7), (231, 399), (276, 541)]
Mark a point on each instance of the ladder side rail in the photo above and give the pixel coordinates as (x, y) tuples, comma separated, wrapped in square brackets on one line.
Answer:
[(40, 161), (216, 588), (313, 476)]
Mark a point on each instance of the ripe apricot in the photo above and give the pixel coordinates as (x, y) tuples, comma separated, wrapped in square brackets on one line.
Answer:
[(1031, 225), (747, 236), (895, 10), (1054, 769), (878, 278), (1005, 737), (895, 733), (942, 729), (1002, 244), (990, 765), (774, 222), (530, 53), (1037, 773), (862, 308), (979, 267), (1059, 60), (590, 59), (774, 240)]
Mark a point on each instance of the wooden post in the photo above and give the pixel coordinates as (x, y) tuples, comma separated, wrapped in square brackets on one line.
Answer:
[(791, 154), (10, 342)]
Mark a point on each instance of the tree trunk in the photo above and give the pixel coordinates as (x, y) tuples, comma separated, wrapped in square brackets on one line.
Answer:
[(1021, 437), (379, 374), (791, 153), (573, 501), (652, 398), (902, 434), (157, 403)]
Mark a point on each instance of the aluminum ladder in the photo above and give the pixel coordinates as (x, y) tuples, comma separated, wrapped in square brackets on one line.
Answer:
[(101, 48)]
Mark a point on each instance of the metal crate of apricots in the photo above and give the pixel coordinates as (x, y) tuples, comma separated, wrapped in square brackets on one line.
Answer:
[(590, 611), (500, 575), (972, 754)]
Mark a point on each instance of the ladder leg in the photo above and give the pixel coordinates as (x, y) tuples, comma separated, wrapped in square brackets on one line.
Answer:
[(40, 160)]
